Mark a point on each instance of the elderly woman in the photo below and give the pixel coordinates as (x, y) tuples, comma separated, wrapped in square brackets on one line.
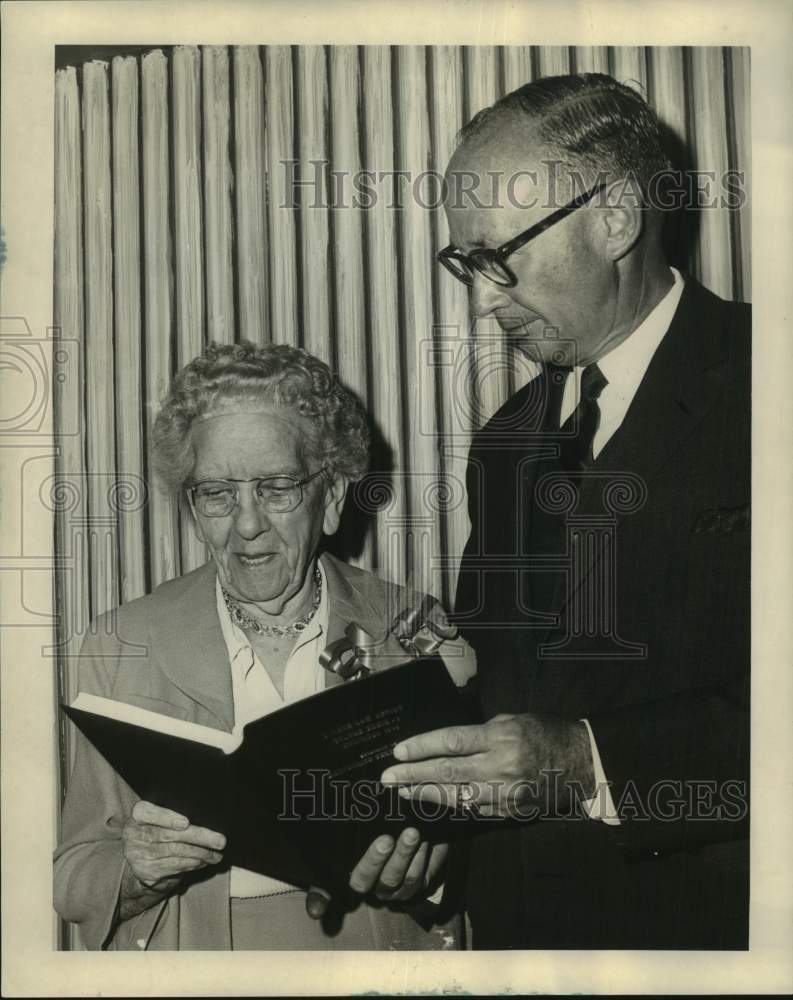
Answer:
[(262, 443)]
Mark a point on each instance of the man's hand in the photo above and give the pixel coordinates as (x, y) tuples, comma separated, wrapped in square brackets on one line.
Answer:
[(510, 761), (392, 871), (160, 846)]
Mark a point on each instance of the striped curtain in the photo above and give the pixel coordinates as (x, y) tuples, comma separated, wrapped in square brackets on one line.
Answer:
[(192, 191)]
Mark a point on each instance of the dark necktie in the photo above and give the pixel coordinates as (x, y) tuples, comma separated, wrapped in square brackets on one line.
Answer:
[(582, 424)]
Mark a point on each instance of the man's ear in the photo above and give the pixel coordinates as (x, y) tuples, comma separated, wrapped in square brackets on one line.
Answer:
[(623, 218), (335, 495)]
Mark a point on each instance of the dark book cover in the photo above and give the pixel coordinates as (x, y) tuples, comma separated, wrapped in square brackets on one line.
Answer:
[(299, 797)]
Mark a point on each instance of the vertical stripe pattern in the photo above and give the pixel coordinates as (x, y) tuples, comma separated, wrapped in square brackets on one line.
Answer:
[(292, 194)]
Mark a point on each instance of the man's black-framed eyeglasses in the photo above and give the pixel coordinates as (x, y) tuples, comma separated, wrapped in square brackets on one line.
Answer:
[(219, 497), (491, 263)]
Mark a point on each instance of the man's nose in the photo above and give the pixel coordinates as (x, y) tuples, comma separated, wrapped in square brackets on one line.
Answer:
[(487, 296), (250, 517)]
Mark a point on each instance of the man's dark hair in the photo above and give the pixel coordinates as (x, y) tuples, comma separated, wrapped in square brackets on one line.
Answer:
[(589, 121)]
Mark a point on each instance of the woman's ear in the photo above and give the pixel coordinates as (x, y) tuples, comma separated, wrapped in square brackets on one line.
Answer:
[(623, 218), (335, 495)]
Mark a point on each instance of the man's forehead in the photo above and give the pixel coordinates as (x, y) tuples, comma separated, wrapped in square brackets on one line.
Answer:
[(510, 169)]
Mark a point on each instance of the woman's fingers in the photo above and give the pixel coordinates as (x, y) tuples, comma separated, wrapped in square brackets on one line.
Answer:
[(160, 844), (399, 866), (199, 836), (367, 871), (147, 812), (411, 879), (317, 902), (392, 870), (149, 873), (158, 851), (437, 861), (159, 824), (179, 850)]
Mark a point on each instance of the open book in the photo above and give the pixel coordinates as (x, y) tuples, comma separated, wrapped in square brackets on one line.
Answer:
[(296, 793)]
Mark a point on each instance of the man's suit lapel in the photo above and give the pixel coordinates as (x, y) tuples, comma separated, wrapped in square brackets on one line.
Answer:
[(682, 382), (684, 379)]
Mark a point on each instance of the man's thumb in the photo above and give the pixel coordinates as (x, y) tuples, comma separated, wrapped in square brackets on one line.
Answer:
[(317, 901)]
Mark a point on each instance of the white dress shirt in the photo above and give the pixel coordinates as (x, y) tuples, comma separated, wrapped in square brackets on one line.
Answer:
[(624, 367), (255, 695)]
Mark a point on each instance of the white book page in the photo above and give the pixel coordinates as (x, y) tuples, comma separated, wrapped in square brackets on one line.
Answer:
[(165, 724)]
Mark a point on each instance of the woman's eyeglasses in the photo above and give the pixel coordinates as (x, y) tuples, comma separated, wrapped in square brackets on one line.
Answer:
[(277, 494)]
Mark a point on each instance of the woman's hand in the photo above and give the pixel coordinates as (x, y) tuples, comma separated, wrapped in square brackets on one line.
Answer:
[(392, 871), (160, 846), (395, 872)]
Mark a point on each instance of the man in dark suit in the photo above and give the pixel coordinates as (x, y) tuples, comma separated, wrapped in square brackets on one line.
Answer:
[(605, 583)]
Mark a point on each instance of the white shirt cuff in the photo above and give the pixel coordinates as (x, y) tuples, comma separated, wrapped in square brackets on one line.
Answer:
[(601, 806)]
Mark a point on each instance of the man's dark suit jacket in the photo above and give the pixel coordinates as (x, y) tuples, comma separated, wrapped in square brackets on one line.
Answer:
[(664, 682)]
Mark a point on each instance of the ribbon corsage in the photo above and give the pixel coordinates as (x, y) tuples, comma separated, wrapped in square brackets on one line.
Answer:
[(352, 655), (420, 630)]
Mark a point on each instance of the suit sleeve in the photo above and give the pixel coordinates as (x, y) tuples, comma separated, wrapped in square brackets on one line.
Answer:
[(678, 768), (672, 733)]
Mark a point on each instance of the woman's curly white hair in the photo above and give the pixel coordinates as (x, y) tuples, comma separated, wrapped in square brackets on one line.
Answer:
[(245, 377)]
